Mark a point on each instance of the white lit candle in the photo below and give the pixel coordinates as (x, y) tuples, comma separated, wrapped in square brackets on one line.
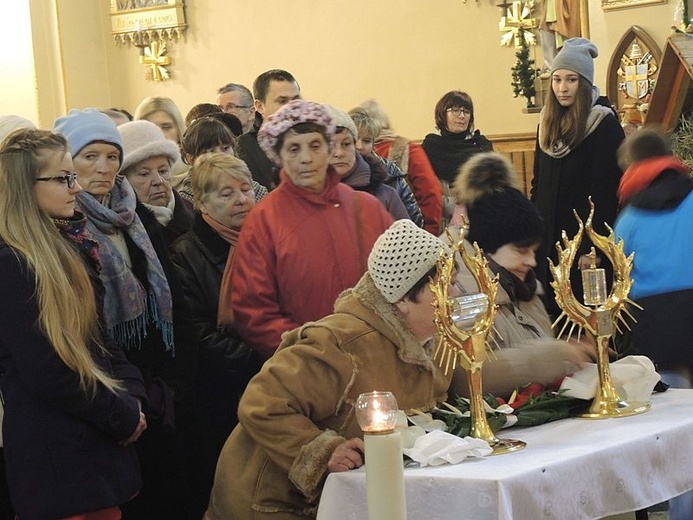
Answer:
[(376, 413)]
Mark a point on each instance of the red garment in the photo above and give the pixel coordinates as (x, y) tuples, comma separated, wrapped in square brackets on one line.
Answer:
[(112, 513), (297, 252), (639, 175), (424, 184)]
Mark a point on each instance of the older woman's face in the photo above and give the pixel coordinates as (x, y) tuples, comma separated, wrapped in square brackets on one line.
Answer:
[(229, 202), (305, 159), (167, 124), (344, 153), (151, 180), (96, 165)]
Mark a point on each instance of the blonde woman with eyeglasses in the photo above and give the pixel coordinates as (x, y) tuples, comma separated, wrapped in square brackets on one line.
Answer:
[(457, 142), (72, 401)]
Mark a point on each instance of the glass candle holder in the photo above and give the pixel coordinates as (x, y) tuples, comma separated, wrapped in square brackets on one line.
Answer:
[(465, 309), (376, 412), (594, 286)]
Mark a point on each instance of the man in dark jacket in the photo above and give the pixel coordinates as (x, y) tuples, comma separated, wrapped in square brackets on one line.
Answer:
[(272, 90)]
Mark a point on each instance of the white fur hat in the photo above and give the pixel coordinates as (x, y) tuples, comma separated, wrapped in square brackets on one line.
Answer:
[(401, 257), (142, 140)]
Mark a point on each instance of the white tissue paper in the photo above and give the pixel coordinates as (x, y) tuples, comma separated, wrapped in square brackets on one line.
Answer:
[(438, 447), (634, 378)]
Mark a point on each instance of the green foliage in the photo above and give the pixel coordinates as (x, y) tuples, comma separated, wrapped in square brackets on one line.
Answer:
[(546, 407), (524, 73)]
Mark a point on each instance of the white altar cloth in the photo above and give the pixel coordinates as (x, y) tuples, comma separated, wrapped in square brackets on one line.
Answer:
[(571, 469)]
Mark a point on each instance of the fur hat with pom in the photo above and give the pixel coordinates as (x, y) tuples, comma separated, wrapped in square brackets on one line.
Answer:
[(498, 212)]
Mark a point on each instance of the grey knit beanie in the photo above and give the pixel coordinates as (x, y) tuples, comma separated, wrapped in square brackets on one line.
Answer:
[(341, 119), (401, 257), (577, 55), (142, 140)]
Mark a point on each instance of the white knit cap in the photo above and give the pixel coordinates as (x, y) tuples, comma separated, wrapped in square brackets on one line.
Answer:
[(401, 257), (142, 139), (9, 124), (341, 119)]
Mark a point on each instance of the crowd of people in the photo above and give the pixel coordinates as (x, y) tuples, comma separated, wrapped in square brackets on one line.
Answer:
[(190, 307)]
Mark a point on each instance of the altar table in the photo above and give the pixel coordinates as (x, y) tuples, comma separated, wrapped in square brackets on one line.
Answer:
[(571, 469)]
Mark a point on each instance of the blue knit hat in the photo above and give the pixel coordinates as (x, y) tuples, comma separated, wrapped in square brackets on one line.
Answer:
[(82, 127), (577, 55)]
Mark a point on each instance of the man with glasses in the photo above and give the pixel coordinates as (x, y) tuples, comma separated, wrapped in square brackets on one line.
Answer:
[(272, 90), (237, 100)]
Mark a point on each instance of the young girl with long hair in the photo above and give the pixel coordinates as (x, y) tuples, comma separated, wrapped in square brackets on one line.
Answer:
[(71, 398), (575, 157)]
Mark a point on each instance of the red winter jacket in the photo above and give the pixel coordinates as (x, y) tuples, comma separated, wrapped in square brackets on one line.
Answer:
[(296, 253)]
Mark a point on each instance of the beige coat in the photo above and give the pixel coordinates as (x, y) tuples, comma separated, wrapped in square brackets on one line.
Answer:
[(525, 350), (300, 406)]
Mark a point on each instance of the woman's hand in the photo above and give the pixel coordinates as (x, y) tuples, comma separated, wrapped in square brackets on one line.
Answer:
[(141, 426), (346, 456)]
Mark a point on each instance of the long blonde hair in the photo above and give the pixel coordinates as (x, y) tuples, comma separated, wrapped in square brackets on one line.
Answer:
[(67, 309), (566, 124)]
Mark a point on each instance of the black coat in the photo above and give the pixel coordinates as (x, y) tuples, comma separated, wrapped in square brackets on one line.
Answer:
[(62, 449), (165, 449), (561, 186), (225, 362), (261, 168)]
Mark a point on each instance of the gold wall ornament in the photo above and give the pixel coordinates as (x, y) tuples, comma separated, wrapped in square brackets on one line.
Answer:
[(464, 324), (598, 320), (149, 25), (156, 59), (517, 16)]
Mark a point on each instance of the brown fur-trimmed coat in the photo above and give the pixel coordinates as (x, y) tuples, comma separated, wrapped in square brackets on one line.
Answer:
[(299, 408)]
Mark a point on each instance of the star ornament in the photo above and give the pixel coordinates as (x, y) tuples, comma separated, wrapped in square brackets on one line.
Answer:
[(518, 16), (157, 60)]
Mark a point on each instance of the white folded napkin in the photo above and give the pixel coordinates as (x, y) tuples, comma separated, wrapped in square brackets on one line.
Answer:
[(634, 378), (438, 447)]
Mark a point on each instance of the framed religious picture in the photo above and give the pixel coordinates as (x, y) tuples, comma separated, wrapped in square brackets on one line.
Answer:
[(619, 4), (148, 19), (632, 75)]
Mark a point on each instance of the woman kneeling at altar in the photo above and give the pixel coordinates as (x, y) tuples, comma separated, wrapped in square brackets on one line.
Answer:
[(296, 417), (508, 229)]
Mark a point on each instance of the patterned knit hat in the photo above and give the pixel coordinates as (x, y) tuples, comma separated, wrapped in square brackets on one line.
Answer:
[(498, 212), (296, 112), (401, 257), (341, 119), (143, 139), (83, 127), (577, 55)]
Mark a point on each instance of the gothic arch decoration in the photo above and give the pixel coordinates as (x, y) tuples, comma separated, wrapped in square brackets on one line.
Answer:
[(632, 75)]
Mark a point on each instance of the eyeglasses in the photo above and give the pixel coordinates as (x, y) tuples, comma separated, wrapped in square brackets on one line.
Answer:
[(70, 179), (459, 111), (228, 107)]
